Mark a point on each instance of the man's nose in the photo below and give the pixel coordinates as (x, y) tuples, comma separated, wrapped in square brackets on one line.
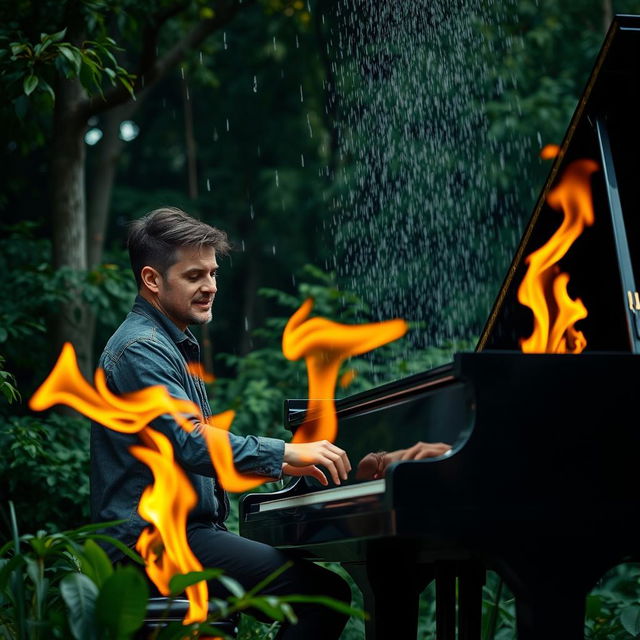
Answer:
[(210, 284)]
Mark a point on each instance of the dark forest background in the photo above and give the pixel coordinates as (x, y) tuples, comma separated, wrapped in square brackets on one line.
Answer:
[(254, 116)]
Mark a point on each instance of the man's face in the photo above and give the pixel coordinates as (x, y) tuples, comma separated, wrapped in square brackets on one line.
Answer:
[(186, 292)]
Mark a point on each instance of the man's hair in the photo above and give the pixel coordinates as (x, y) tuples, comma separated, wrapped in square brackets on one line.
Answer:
[(155, 239)]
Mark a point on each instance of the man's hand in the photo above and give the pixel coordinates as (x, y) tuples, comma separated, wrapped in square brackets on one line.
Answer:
[(301, 459)]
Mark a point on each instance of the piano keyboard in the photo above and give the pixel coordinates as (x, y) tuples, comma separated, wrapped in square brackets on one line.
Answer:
[(326, 495)]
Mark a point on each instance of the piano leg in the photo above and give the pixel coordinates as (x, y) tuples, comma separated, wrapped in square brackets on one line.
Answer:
[(391, 592), (550, 584), (445, 600), (471, 578)]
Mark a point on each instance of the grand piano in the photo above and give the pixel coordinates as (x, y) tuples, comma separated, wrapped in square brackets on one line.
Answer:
[(543, 482)]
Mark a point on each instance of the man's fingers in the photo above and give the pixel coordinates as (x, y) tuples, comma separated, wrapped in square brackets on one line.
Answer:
[(339, 459), (330, 466), (318, 475), (339, 463)]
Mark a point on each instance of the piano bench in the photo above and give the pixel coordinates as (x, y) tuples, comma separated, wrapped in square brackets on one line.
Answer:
[(160, 612)]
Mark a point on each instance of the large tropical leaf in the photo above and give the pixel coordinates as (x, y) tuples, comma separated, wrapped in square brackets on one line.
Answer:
[(79, 594), (122, 603)]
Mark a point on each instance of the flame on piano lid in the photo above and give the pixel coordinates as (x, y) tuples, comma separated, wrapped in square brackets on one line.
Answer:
[(325, 345), (544, 286)]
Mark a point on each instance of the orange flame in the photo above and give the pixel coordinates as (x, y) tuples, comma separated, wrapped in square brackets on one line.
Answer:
[(168, 502), (325, 345), (197, 369), (166, 505), (549, 151), (217, 438), (544, 288), (347, 378)]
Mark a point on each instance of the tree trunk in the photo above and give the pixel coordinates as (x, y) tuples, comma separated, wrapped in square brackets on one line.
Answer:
[(190, 142), (69, 216)]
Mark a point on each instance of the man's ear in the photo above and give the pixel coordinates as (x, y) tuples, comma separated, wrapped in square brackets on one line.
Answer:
[(150, 279)]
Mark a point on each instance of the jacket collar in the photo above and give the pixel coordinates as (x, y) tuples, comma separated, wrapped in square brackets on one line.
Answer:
[(145, 308)]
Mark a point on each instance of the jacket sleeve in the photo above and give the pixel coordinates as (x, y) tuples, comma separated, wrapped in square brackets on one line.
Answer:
[(145, 363)]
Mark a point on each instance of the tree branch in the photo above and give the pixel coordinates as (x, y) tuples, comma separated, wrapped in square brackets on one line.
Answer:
[(157, 68)]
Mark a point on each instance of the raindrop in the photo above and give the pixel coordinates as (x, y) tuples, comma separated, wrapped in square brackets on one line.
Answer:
[(224, 40), (93, 136), (302, 159), (246, 323), (309, 125), (251, 212), (301, 94), (208, 184), (255, 84), (227, 124), (277, 179), (129, 130), (273, 248), (243, 246)]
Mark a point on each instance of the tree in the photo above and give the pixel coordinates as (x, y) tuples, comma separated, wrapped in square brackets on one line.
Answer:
[(65, 78)]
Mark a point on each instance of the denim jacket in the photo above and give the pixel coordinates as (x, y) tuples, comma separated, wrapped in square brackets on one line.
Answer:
[(148, 349)]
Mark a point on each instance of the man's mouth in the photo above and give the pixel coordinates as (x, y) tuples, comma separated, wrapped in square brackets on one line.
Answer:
[(204, 303)]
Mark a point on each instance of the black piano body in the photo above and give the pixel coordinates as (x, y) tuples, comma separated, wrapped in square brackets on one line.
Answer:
[(542, 482)]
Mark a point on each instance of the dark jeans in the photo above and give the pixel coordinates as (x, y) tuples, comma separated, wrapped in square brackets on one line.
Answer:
[(249, 562)]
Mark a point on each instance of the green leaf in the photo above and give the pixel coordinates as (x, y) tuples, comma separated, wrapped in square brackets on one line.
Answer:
[(72, 56), (130, 553), (180, 582), (95, 563), (55, 37), (30, 83), (232, 585), (79, 594), (593, 606), (331, 603), (45, 86), (630, 619), (119, 615), (7, 569), (274, 612)]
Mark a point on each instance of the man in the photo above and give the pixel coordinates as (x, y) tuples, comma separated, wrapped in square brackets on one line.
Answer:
[(174, 260)]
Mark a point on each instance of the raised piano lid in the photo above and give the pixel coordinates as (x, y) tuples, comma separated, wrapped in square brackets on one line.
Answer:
[(604, 262)]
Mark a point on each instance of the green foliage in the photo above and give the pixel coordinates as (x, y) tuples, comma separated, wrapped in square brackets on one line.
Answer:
[(93, 62), (63, 585), (44, 468), (45, 591), (8, 384), (613, 606), (30, 297)]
